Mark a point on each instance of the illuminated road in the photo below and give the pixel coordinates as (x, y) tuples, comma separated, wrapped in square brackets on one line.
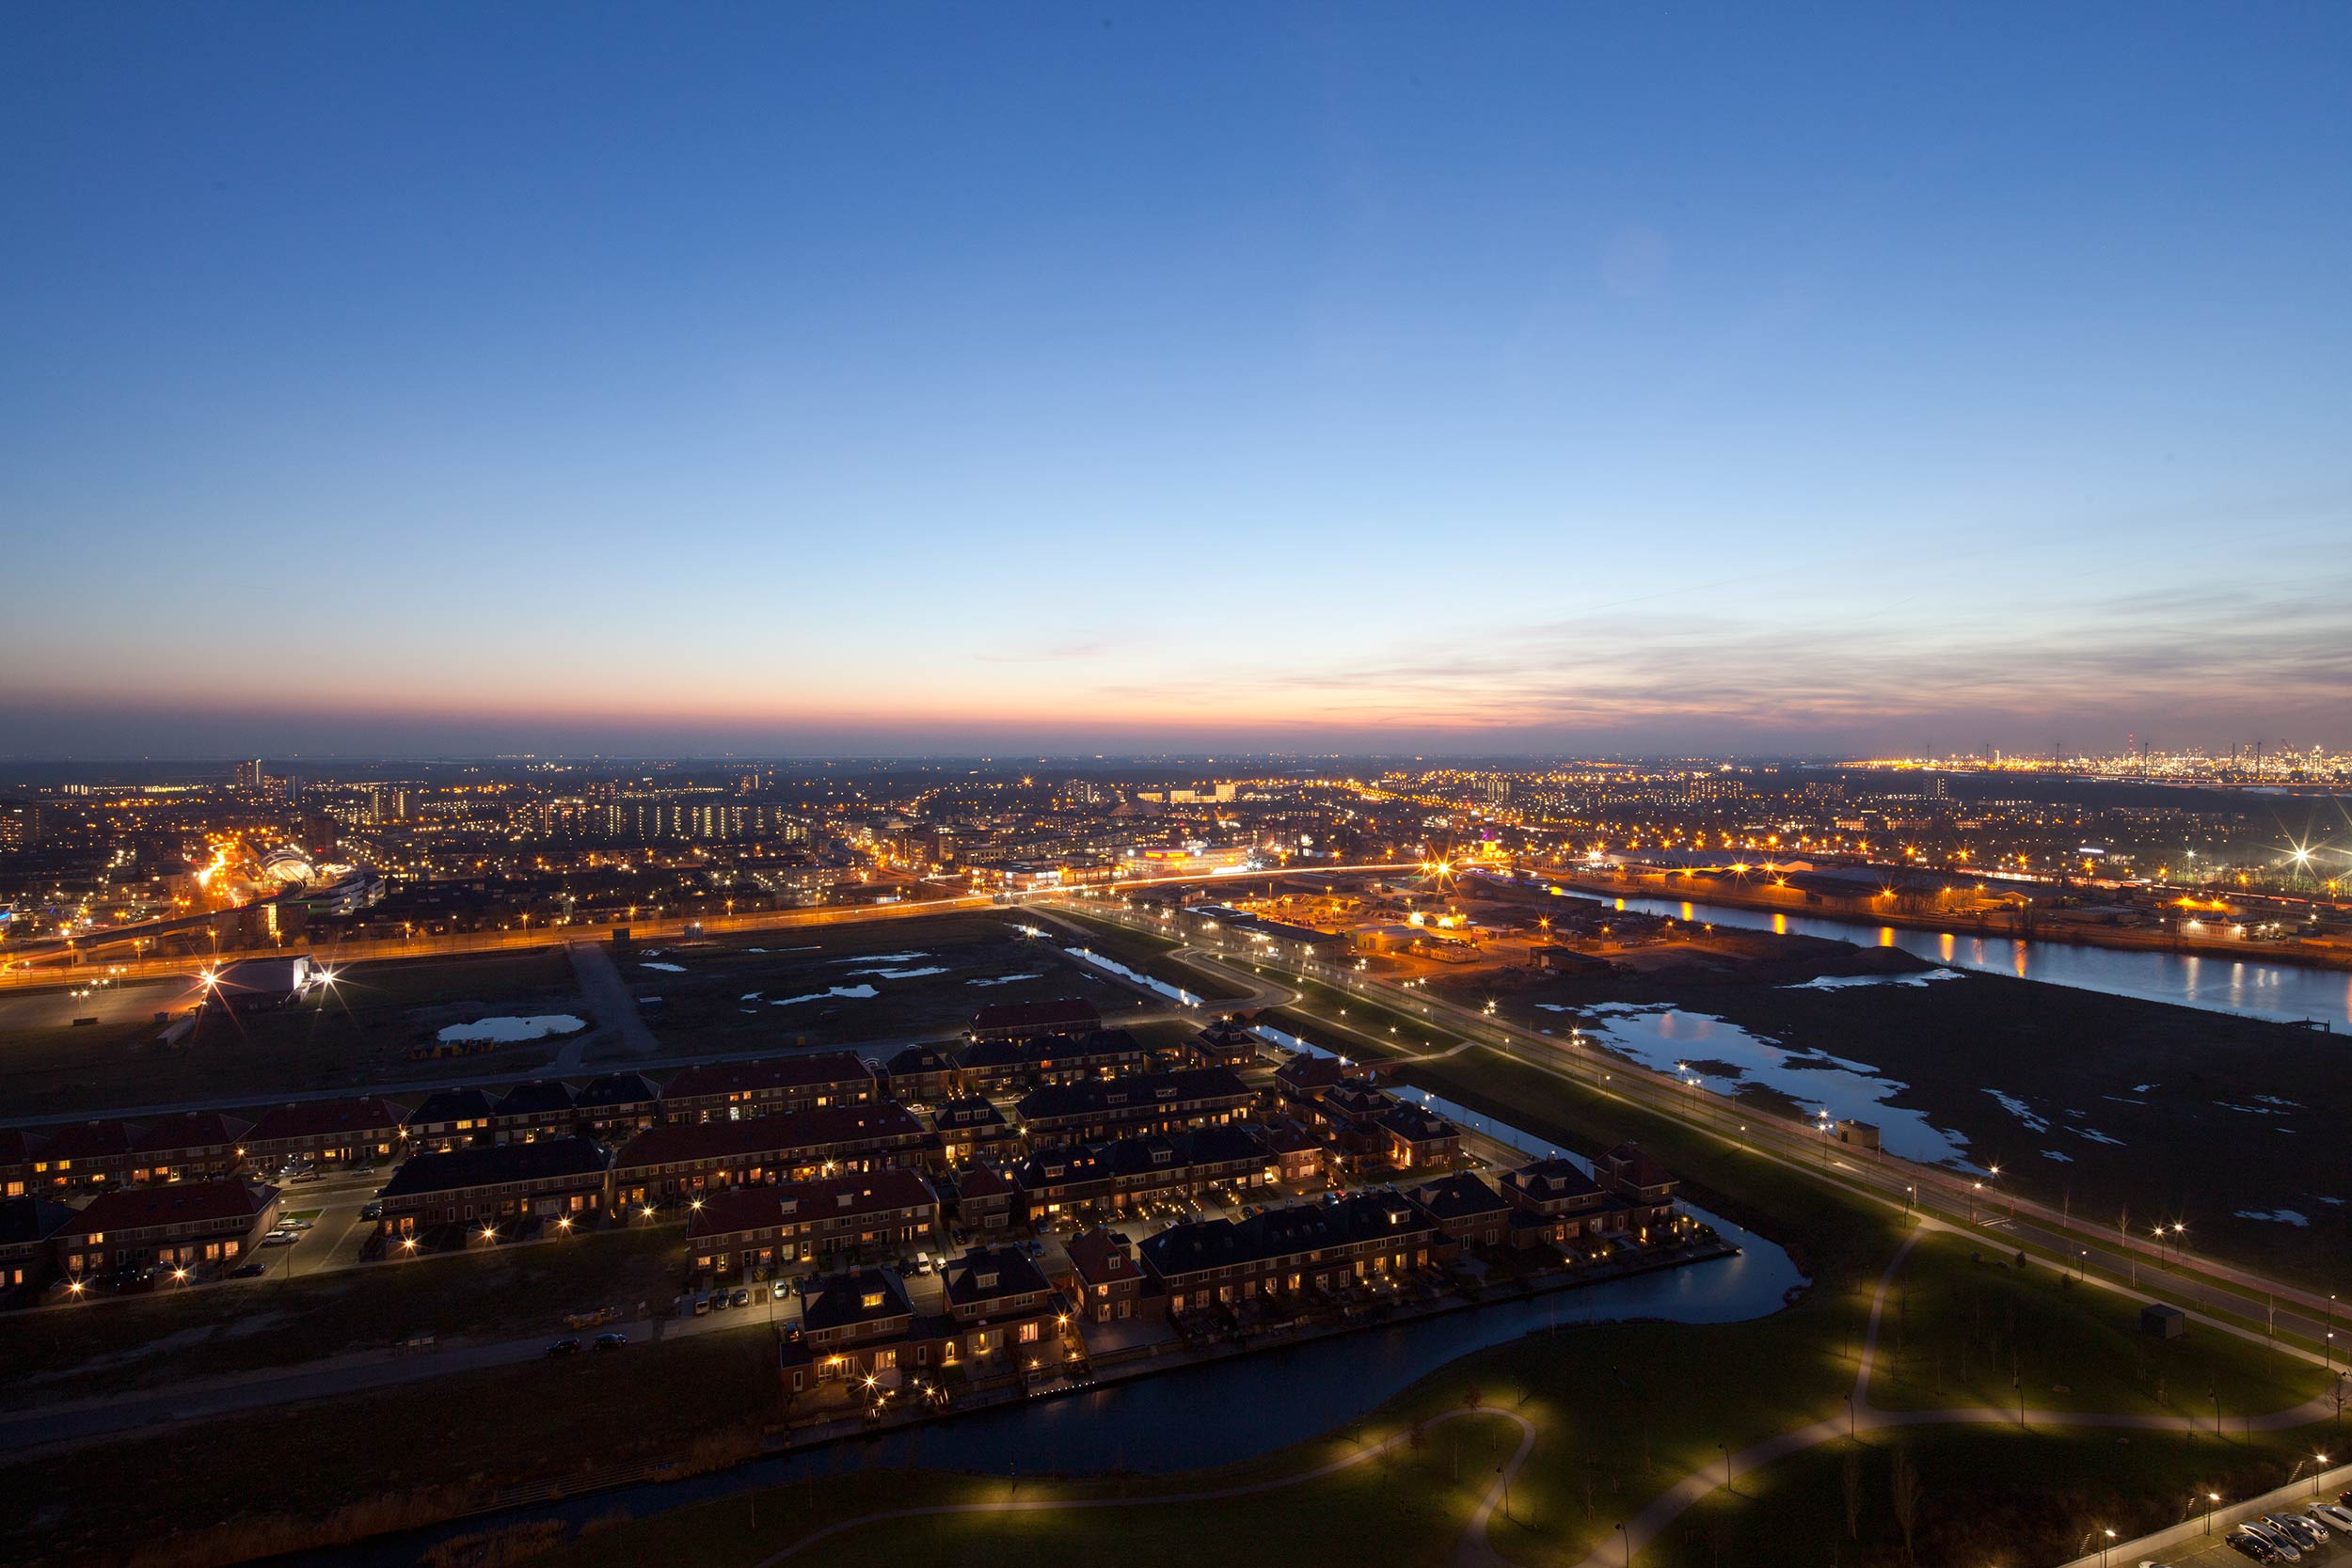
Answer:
[(456, 944), (2211, 1285)]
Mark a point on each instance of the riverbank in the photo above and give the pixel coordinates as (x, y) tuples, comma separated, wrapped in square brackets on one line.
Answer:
[(1864, 913)]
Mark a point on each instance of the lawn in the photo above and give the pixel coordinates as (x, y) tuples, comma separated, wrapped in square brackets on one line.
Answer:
[(931, 975), (119, 1345), (1147, 954), (358, 1032), (278, 1479), (1957, 1332)]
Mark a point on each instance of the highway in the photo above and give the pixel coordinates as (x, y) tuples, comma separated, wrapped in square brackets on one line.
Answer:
[(2281, 1307), (13, 976)]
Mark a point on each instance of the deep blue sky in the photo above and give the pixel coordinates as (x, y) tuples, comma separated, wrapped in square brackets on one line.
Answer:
[(970, 377)]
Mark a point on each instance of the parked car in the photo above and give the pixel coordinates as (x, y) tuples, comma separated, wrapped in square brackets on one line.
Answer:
[(281, 1238), (2247, 1543), (2281, 1545), (702, 1305), (295, 1224), (742, 1297), (2337, 1515), (364, 1170), (2297, 1528), (311, 1176), (371, 1210), (611, 1341), (563, 1347), (248, 1270)]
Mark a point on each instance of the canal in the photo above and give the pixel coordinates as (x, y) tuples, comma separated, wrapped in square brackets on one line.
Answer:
[(2286, 993)]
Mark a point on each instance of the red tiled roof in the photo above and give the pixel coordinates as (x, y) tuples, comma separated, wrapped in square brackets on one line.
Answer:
[(1035, 1015), (316, 1119), (1102, 1256), (87, 1140), (180, 1203), (189, 1130), (784, 1072), (778, 1134)]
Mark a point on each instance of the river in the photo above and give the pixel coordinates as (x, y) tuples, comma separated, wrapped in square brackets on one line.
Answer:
[(2287, 994)]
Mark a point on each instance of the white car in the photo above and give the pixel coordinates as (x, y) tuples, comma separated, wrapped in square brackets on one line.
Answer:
[(2337, 1517), (281, 1238)]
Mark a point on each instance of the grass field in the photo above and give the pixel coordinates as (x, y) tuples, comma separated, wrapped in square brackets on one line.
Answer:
[(277, 1481), (1147, 954), (356, 1032), (2114, 1105), (121, 1344), (930, 976)]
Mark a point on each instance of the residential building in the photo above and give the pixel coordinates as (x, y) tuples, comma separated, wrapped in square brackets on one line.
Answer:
[(1161, 1101), (687, 1159), (552, 1180), (616, 1104), (743, 1229), (1306, 1248), (449, 1120), (852, 1325), (1105, 1282), (1002, 1314), (736, 1091), (1467, 1211), (331, 1132), (529, 1112), (1017, 1020), (191, 1145), (181, 1224)]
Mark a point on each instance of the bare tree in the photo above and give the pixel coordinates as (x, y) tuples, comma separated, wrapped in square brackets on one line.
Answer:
[(1907, 1494)]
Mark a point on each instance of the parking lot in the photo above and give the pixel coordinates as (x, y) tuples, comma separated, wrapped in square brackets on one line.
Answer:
[(2214, 1551)]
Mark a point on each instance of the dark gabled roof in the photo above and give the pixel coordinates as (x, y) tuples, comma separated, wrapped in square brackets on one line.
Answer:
[(1136, 1090), (918, 1059), (1058, 1164), (1457, 1196), (16, 1147), (451, 1106), (189, 1130), (778, 1134), (1303, 1072), (991, 1274), (616, 1088), (1635, 1165), (1282, 1232), (318, 1118), (838, 1300), (180, 1203), (814, 1070), (1551, 1180), (545, 1160), (1357, 1099), (1069, 1012), (1417, 1124), (30, 1218), (970, 1111), (534, 1100), (1285, 1137), (1216, 1144)]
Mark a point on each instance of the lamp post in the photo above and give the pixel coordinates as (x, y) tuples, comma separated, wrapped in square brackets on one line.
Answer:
[(1628, 1547), (2210, 1499)]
